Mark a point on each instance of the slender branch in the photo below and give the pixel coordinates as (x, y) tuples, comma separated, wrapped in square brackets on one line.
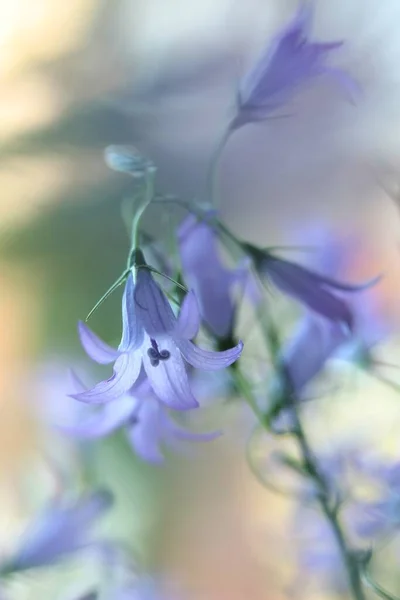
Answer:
[(212, 179), (330, 512)]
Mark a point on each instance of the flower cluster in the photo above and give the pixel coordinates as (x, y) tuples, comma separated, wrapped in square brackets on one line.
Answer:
[(153, 386)]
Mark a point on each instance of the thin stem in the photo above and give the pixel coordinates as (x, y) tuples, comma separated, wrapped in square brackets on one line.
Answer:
[(212, 180), (147, 198), (330, 512), (379, 591)]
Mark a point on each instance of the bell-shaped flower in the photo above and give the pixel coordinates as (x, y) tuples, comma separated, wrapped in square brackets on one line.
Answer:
[(148, 425), (289, 62), (213, 284), (321, 294), (305, 355), (61, 529), (154, 337)]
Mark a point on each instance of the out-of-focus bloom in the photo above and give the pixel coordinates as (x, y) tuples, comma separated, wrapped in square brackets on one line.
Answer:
[(370, 326), (147, 423), (289, 62), (60, 530), (212, 283), (145, 588), (318, 551), (126, 159), (321, 294), (154, 337), (381, 517), (307, 352)]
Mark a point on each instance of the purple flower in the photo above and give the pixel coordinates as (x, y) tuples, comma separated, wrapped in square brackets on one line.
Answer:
[(307, 352), (147, 423), (318, 551), (152, 336), (382, 516), (60, 530), (212, 283), (370, 326), (290, 61), (144, 588), (323, 295)]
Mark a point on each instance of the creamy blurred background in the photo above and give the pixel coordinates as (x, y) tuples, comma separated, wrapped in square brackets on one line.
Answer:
[(162, 74)]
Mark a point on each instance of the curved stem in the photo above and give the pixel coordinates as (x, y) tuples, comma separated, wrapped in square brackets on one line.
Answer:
[(379, 591), (147, 198), (212, 179)]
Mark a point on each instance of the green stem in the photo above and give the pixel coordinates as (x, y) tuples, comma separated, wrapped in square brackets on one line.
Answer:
[(330, 512), (212, 180), (147, 198), (379, 591)]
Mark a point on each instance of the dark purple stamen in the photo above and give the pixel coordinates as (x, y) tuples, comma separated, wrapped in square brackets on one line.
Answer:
[(156, 355)]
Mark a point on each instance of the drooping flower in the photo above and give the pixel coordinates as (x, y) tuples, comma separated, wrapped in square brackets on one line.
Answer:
[(147, 423), (289, 62), (62, 529), (321, 294), (212, 283), (370, 324), (307, 352), (152, 336), (380, 517)]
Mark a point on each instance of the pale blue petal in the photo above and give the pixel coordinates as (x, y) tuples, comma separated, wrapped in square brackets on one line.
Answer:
[(126, 371), (132, 328), (151, 305), (208, 360), (94, 347), (101, 422), (169, 379), (189, 318)]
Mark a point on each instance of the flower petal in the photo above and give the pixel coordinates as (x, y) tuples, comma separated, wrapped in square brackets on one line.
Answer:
[(169, 379), (208, 360), (151, 305), (189, 318), (146, 434), (315, 341), (60, 530), (305, 287), (101, 422), (94, 347), (132, 329), (77, 384), (126, 371)]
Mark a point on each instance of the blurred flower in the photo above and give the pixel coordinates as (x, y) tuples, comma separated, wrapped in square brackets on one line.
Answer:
[(381, 517), (212, 283), (145, 420), (321, 294), (307, 352), (146, 588), (152, 335), (60, 530), (318, 551), (290, 61), (370, 326)]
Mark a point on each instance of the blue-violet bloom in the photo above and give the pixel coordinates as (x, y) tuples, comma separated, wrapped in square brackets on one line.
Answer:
[(289, 62), (321, 294), (154, 337), (212, 283), (61, 529), (147, 423)]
